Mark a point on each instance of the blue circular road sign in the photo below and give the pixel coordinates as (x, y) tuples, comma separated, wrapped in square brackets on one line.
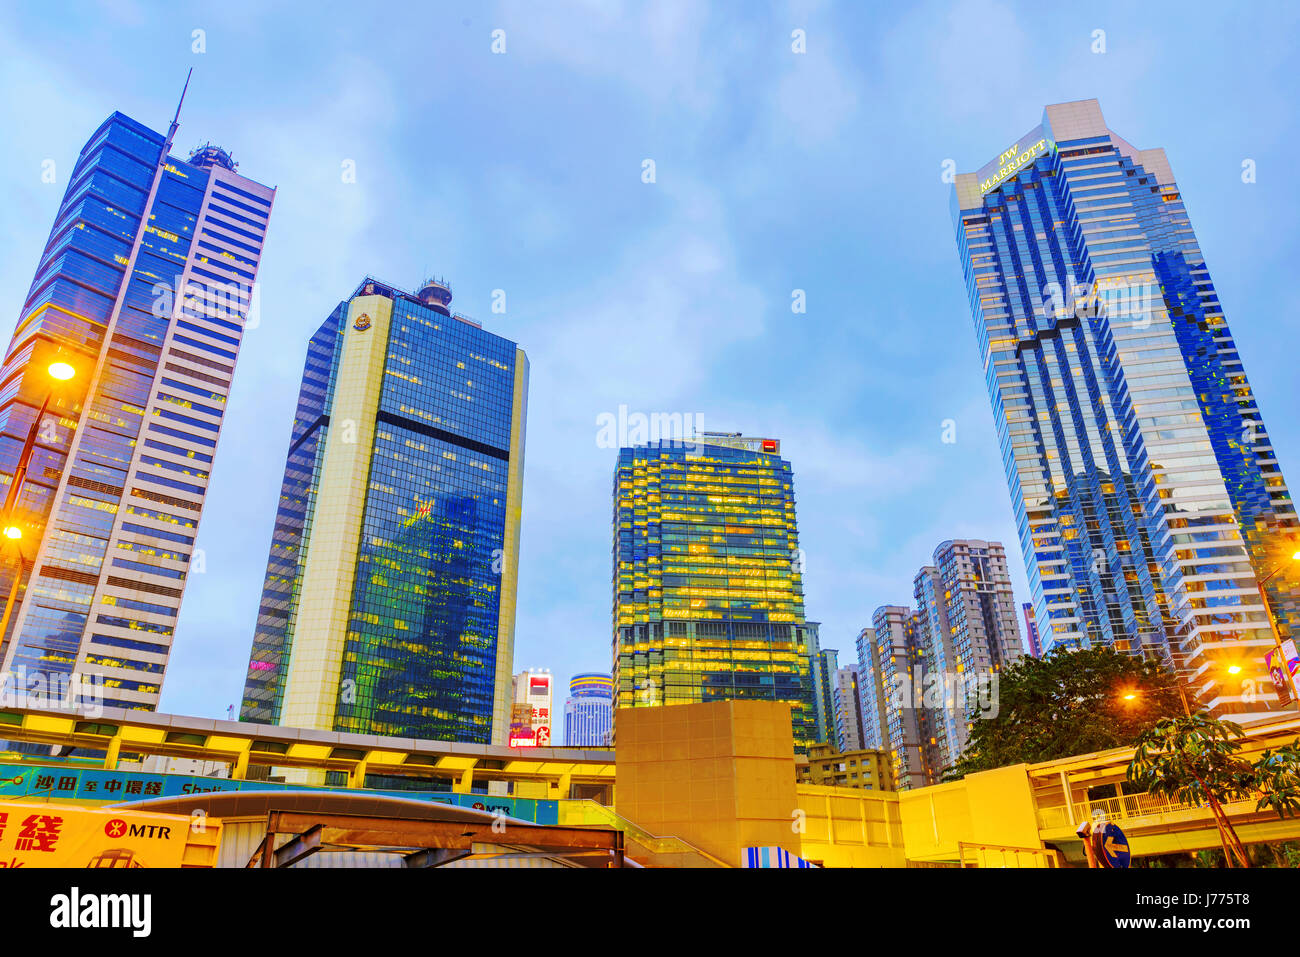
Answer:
[(1114, 845)]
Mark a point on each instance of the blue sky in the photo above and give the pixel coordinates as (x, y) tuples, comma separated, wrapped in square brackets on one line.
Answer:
[(774, 172)]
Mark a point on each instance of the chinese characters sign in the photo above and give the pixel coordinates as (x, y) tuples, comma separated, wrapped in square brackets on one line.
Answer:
[(57, 835)]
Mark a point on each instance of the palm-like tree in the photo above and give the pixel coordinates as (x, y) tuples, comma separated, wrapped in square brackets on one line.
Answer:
[(1194, 760)]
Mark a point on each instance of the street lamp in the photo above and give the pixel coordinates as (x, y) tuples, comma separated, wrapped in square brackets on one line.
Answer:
[(1182, 692), (59, 371), (1272, 626)]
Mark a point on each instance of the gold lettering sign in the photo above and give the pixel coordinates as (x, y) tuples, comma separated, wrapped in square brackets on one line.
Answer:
[(1012, 162)]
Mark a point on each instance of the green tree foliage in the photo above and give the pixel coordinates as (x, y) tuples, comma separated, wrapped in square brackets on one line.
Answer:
[(1067, 703), (1193, 761), (1278, 780)]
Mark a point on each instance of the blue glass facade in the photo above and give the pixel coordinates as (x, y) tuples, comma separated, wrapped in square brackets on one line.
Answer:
[(273, 634), (825, 662), (1148, 498), (143, 289), (431, 563)]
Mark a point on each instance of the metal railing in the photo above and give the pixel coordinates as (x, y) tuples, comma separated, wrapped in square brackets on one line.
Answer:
[(661, 850), (1004, 855), (1131, 807)]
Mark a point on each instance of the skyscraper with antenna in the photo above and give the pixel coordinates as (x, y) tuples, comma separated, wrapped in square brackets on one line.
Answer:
[(116, 383)]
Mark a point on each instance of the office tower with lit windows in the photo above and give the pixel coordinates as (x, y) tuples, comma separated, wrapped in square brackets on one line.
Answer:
[(708, 584), (1149, 501), (139, 301), (848, 710), (389, 601), (589, 711), (967, 632)]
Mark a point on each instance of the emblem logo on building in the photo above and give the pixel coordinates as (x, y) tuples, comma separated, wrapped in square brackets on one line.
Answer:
[(362, 323)]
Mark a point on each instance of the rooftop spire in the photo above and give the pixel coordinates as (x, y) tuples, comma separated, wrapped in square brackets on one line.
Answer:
[(176, 120)]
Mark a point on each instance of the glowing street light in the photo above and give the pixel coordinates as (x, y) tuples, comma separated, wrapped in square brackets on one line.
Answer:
[(61, 371)]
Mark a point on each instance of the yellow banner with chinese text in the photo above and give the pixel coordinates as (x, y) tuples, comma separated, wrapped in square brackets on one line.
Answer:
[(56, 835)]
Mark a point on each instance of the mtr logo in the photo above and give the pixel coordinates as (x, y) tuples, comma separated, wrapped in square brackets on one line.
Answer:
[(119, 828)]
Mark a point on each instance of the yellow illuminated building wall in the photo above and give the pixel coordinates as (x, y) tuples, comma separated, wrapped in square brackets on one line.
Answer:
[(866, 769), (708, 586), (719, 776)]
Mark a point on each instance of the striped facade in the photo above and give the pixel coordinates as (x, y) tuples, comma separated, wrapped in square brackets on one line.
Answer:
[(144, 288), (589, 711)]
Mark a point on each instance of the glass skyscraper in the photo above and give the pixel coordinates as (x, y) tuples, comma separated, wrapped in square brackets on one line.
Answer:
[(140, 299), (708, 585), (389, 602), (589, 711), (1147, 495)]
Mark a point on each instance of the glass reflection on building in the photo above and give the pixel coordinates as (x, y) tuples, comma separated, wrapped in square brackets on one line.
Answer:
[(708, 583), (389, 600), (1147, 494)]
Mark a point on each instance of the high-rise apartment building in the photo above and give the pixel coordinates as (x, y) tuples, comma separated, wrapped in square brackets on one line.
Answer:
[(890, 664), (137, 310), (708, 584), (825, 663), (967, 631), (924, 675), (1147, 494), (389, 602), (848, 710), (589, 711)]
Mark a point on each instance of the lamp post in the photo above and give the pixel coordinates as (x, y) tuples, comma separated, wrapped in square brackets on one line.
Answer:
[(1272, 627), (1129, 697), (60, 372)]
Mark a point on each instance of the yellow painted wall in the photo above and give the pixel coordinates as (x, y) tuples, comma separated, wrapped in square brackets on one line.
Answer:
[(991, 807), (719, 775), (851, 827)]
